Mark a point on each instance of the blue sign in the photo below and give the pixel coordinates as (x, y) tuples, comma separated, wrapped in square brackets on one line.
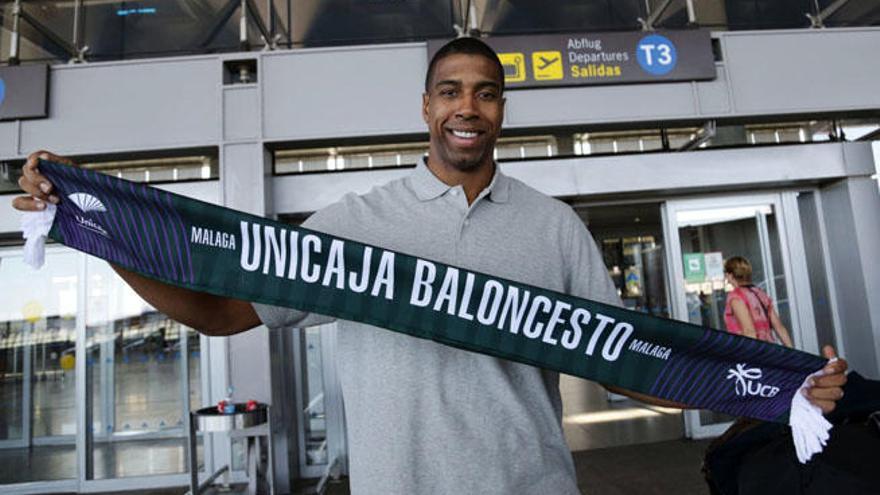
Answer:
[(656, 54), (590, 58), (2, 91)]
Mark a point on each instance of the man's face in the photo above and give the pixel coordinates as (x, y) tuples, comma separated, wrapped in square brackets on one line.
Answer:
[(463, 109)]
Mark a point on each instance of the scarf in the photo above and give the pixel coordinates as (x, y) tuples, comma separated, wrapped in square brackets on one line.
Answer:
[(204, 247)]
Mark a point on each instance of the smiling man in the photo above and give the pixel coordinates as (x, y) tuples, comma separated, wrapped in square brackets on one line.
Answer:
[(422, 417), (463, 106)]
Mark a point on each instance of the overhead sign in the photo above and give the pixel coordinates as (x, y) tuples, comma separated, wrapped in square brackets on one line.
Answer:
[(24, 91), (602, 58)]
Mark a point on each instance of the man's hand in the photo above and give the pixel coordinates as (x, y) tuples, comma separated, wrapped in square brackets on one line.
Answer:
[(212, 315), (826, 390), (35, 184)]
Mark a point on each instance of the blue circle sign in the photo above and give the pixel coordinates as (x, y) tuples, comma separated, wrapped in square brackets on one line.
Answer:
[(656, 54)]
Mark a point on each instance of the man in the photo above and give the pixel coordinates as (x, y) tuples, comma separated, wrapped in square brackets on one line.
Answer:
[(424, 418)]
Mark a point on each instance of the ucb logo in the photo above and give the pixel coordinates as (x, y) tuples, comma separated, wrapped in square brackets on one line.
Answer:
[(746, 382)]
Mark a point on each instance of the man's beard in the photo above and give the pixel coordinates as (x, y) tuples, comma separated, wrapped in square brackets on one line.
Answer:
[(465, 162)]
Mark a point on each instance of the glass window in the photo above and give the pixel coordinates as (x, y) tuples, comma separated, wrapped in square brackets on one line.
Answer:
[(142, 370), (349, 157), (37, 367), (536, 16), (525, 147), (313, 415), (182, 168), (9, 173), (46, 31), (114, 30), (150, 170), (767, 14), (397, 155), (852, 13), (328, 22), (636, 141)]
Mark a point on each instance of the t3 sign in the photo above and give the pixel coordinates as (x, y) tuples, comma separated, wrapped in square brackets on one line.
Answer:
[(584, 59)]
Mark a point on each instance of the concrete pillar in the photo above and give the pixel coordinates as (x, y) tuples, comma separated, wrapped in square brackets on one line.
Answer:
[(849, 211)]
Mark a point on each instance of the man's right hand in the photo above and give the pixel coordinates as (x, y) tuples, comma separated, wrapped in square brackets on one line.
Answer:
[(207, 313), (36, 185)]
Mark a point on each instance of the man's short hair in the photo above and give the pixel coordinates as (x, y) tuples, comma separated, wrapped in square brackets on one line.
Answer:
[(465, 46)]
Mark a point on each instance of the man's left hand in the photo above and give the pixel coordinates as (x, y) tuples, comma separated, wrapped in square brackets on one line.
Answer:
[(826, 390)]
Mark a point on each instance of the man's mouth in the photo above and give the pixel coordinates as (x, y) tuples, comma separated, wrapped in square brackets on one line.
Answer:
[(466, 137), (465, 134)]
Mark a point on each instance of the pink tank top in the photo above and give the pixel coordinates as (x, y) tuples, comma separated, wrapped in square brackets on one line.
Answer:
[(753, 298)]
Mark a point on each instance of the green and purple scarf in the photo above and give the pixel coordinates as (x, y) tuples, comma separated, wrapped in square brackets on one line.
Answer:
[(203, 247)]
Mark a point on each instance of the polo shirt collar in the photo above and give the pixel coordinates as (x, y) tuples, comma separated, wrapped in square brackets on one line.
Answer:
[(427, 186)]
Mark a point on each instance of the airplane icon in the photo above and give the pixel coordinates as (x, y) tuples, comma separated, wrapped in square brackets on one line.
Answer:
[(547, 65), (547, 62)]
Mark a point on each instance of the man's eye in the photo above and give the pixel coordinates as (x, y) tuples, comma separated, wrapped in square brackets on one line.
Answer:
[(447, 92), (488, 95)]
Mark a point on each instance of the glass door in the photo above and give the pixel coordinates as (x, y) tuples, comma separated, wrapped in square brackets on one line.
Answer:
[(321, 423), (38, 319), (142, 377), (701, 235)]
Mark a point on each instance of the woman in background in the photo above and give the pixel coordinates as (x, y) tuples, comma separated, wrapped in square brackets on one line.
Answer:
[(749, 310)]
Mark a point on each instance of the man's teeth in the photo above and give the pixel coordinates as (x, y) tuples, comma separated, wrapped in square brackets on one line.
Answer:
[(464, 134)]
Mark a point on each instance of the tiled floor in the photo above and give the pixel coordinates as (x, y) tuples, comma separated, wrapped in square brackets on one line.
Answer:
[(662, 468), (111, 460), (597, 430), (591, 421)]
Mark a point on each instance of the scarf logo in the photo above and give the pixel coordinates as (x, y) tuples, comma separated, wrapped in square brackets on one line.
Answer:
[(88, 203), (746, 382)]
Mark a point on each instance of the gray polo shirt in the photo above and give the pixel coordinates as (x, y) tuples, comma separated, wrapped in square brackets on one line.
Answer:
[(424, 418)]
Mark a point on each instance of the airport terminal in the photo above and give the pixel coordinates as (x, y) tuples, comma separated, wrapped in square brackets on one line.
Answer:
[(681, 132)]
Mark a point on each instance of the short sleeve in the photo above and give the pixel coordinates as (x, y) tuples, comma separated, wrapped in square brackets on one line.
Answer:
[(281, 317), (325, 220)]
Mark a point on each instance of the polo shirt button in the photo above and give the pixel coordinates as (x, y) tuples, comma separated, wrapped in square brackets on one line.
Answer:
[(454, 192), (467, 222)]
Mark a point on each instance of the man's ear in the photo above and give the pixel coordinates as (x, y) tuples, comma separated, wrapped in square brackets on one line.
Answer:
[(425, 100)]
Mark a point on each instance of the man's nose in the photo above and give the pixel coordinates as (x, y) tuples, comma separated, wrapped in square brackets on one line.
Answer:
[(466, 108)]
